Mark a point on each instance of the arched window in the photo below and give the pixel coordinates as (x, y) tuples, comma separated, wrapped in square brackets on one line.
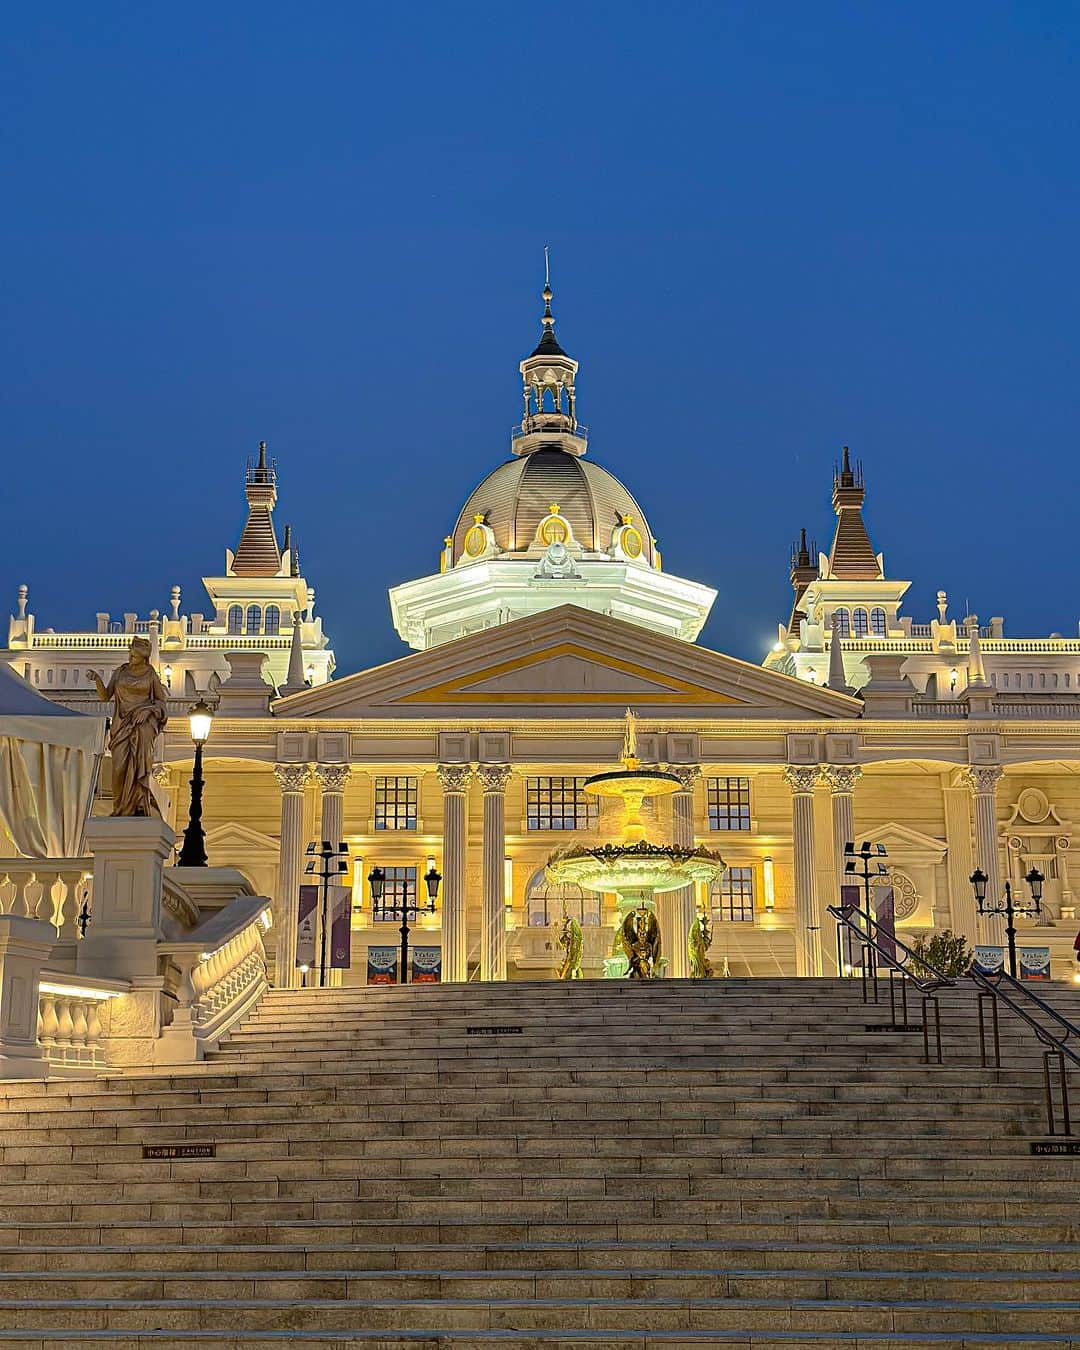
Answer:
[(1005, 680), (1066, 679), (859, 623), (545, 903), (254, 618), (236, 619), (272, 623), (1031, 681), (1042, 680), (841, 623), (877, 622)]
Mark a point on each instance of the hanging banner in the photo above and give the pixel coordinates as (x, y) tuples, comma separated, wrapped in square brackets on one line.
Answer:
[(850, 946), (885, 914), (989, 960), (426, 965), (382, 964), (1034, 963), (340, 927), (306, 919)]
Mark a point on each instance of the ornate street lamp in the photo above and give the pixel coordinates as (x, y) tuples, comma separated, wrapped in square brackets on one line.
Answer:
[(377, 885), (1007, 906), (193, 851), (326, 861)]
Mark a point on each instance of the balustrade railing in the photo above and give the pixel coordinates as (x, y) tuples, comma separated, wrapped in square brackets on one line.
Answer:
[(70, 1027), (53, 889)]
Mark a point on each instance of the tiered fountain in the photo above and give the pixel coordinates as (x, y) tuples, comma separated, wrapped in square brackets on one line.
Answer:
[(635, 870)]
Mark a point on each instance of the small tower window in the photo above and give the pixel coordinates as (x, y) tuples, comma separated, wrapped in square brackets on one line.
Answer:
[(254, 618), (859, 622), (272, 624), (236, 619), (841, 623), (877, 622)]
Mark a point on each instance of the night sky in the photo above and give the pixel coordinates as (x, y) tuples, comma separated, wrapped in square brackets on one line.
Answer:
[(775, 228)]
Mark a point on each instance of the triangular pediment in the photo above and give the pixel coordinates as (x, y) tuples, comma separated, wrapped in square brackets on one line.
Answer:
[(904, 842), (566, 663)]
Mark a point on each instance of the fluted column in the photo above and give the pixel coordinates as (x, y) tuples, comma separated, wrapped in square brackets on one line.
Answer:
[(455, 951), (493, 779), (801, 779), (983, 781), (680, 904), (332, 779), (841, 779), (292, 779)]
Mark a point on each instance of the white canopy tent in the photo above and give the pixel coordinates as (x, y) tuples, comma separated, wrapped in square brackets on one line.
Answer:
[(49, 758)]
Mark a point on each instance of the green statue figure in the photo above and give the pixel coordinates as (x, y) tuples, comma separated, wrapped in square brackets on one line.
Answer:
[(698, 943), (571, 940)]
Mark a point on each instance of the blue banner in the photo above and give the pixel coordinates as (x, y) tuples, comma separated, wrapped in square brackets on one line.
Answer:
[(1034, 963), (989, 960), (382, 965), (426, 965)]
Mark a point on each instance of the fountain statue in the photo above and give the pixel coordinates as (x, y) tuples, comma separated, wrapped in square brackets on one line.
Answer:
[(697, 947), (635, 870), (572, 941)]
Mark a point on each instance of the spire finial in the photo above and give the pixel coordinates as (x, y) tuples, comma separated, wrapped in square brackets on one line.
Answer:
[(548, 319), (262, 454)]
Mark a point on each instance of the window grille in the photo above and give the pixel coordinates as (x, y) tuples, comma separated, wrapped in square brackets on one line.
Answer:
[(395, 803), (272, 624), (254, 618), (877, 622), (729, 803), (236, 619), (546, 904), (841, 623), (559, 804), (399, 891), (733, 896), (859, 623)]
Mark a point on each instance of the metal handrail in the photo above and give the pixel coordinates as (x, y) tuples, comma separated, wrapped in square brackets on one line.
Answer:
[(992, 982), (872, 949)]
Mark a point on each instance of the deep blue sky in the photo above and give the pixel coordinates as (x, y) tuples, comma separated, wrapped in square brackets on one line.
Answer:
[(775, 228)]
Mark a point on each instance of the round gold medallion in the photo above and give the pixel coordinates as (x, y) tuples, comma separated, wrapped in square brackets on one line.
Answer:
[(631, 542), (475, 541)]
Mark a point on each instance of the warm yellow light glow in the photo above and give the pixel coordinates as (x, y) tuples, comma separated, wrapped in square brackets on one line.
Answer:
[(78, 991), (508, 882), (201, 718), (769, 881), (266, 918)]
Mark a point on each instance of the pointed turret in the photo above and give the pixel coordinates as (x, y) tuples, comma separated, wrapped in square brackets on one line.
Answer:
[(257, 554), (804, 568), (547, 379), (852, 556)]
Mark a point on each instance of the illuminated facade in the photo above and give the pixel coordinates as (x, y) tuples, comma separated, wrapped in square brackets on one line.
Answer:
[(549, 613)]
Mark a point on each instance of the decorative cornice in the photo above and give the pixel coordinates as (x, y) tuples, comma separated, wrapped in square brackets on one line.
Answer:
[(841, 778), (801, 778), (493, 777), (687, 774), (454, 777), (292, 777), (333, 777), (983, 779)]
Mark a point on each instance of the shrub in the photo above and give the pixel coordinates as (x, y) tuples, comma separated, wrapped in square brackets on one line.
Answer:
[(945, 954)]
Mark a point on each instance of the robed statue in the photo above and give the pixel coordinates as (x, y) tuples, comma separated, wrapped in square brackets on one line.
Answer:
[(697, 946), (572, 942), (140, 712)]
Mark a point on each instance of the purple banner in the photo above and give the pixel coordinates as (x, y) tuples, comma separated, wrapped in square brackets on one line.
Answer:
[(885, 914), (340, 904), (306, 918), (850, 953)]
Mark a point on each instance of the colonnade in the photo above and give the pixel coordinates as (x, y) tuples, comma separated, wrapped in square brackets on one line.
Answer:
[(975, 792)]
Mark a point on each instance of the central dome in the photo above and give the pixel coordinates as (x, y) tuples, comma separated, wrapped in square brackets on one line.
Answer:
[(514, 499)]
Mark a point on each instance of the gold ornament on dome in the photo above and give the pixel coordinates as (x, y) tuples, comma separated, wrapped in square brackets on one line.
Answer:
[(554, 530), (476, 540)]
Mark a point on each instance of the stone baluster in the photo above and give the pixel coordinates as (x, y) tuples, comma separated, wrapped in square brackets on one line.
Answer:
[(455, 782), (680, 904), (801, 779), (292, 779), (983, 781), (493, 780)]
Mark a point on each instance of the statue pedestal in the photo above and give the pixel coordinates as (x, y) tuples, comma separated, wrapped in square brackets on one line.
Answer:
[(125, 922), (25, 945)]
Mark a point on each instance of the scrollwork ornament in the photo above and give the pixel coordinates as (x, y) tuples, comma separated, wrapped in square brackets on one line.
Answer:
[(801, 778), (454, 777), (842, 778), (983, 779), (333, 777), (493, 777), (292, 777), (687, 774)]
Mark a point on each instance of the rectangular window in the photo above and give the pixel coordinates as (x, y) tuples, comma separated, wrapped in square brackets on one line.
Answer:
[(395, 803), (733, 898), (398, 892), (546, 907), (729, 803), (559, 804)]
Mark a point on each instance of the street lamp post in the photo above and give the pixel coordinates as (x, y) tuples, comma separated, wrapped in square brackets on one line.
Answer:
[(377, 884), (876, 868), (333, 864), (1007, 906), (193, 850)]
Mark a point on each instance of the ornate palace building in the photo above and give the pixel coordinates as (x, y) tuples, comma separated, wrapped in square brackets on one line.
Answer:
[(548, 613)]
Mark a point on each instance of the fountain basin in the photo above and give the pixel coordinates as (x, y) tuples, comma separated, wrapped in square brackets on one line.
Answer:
[(635, 868)]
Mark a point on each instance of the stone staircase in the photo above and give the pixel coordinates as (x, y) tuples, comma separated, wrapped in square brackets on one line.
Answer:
[(743, 1163)]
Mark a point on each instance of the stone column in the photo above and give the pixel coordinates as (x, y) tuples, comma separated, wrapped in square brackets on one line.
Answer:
[(493, 779), (125, 923), (332, 779), (25, 945), (841, 779), (680, 904), (801, 778), (960, 863), (455, 949), (292, 779), (983, 781)]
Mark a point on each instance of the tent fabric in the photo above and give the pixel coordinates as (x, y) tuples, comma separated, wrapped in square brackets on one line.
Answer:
[(48, 766)]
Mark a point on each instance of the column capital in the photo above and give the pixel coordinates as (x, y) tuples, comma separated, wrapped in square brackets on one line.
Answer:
[(454, 777), (801, 778), (841, 778), (292, 777), (493, 777), (333, 777), (983, 779), (687, 774)]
